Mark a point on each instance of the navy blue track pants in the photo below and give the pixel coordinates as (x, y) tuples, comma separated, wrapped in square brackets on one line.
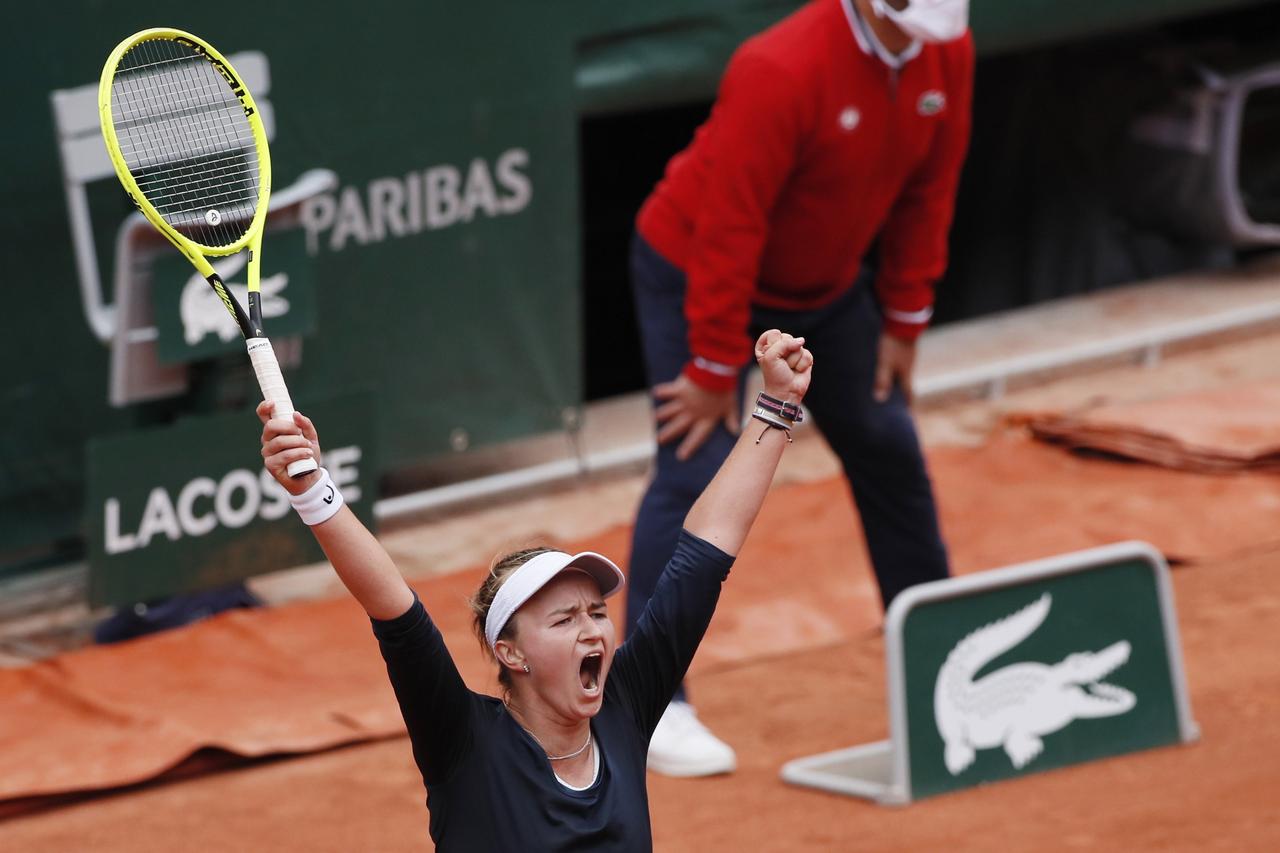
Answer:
[(875, 442)]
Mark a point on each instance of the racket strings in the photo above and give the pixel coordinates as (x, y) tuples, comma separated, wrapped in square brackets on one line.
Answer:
[(187, 104), (186, 140), (190, 96), (198, 192)]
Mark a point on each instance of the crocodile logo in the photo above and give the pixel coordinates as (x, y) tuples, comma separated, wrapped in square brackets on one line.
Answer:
[(203, 314), (1016, 705), (931, 103)]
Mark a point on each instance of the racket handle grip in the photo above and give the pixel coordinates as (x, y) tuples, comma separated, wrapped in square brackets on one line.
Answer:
[(271, 381)]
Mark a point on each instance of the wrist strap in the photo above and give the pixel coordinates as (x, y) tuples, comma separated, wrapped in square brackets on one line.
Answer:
[(787, 411), (320, 502)]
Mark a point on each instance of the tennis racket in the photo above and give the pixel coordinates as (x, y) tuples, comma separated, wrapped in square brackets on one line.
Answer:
[(187, 142)]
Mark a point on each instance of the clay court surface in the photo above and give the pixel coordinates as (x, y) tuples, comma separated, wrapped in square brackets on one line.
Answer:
[(308, 756)]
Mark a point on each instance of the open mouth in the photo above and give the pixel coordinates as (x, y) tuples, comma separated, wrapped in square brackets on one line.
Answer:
[(589, 672), (1109, 692)]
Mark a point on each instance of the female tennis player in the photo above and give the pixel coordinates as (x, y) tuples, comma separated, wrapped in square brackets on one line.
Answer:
[(558, 762)]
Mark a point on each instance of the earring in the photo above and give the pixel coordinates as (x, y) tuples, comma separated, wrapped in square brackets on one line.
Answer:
[(526, 669)]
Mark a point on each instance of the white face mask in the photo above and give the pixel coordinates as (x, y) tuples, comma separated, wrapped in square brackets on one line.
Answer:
[(928, 20)]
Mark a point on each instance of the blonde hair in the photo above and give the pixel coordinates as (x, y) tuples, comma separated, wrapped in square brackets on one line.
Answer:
[(502, 567)]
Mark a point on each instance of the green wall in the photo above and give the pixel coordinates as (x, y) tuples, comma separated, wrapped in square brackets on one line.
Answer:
[(461, 310)]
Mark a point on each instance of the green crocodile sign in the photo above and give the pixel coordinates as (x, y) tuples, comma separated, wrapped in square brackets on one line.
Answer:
[(191, 322), (1053, 672), (1018, 670)]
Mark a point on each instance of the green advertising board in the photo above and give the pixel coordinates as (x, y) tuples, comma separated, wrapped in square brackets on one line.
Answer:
[(444, 269), (440, 271), (191, 323), (189, 506), (1061, 670), (1019, 670)]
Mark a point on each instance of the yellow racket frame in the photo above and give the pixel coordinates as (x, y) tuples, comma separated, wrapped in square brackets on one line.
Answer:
[(197, 253), (265, 364)]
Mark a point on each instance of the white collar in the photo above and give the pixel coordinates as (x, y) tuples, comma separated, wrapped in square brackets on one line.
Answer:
[(866, 39), (595, 771)]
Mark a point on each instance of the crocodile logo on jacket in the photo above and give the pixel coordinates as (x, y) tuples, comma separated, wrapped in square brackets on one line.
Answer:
[(1016, 705), (931, 103)]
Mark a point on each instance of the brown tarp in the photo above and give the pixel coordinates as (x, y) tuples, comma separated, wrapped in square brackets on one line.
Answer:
[(1225, 429), (308, 676), (1217, 794)]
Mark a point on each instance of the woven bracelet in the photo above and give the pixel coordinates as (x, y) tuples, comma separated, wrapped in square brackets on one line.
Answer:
[(771, 421)]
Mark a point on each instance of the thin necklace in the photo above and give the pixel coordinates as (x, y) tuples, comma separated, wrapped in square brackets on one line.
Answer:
[(551, 757)]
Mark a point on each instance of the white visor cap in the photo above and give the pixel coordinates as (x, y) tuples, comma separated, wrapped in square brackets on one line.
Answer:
[(524, 583)]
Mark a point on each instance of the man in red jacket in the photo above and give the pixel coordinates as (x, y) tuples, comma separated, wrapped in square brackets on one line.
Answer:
[(842, 125)]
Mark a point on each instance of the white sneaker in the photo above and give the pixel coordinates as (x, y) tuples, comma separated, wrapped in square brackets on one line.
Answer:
[(683, 746)]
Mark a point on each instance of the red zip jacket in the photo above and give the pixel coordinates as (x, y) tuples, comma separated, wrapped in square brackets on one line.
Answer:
[(814, 147)]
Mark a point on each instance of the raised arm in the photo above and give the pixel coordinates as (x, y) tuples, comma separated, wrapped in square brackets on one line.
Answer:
[(728, 506), (362, 564)]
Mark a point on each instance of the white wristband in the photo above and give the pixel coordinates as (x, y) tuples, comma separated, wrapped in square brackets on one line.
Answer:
[(320, 502)]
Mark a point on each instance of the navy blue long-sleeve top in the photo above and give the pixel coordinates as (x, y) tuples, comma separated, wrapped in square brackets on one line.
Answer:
[(490, 786)]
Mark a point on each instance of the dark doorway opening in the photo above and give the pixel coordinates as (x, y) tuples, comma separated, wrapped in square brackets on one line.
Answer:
[(623, 157)]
